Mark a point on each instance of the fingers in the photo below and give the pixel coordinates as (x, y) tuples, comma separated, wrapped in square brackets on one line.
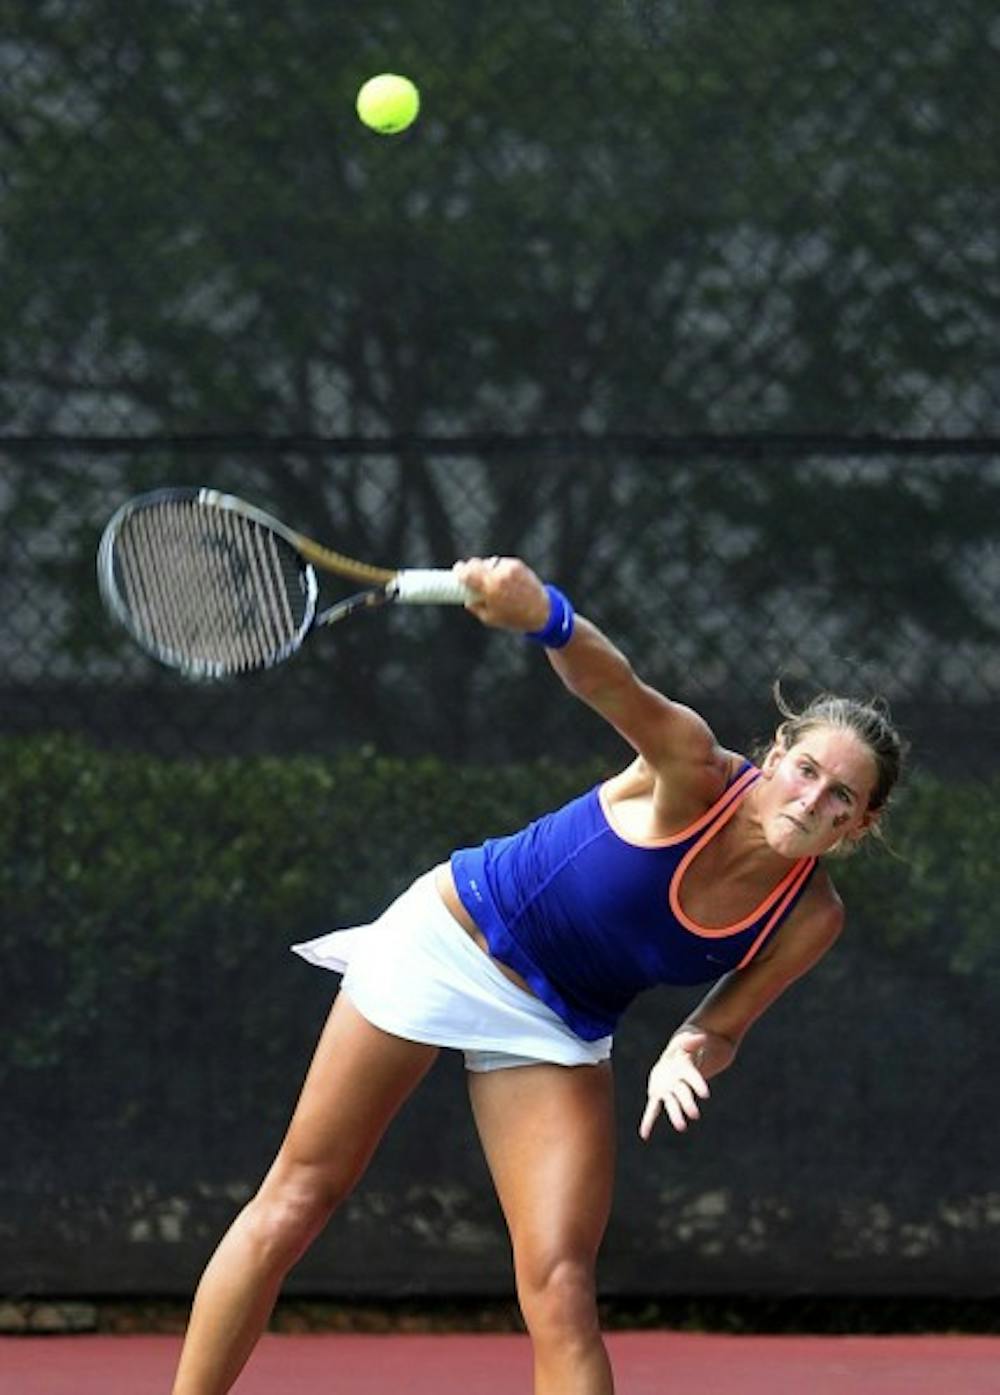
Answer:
[(469, 566), (650, 1115), (507, 593), (692, 1079), (471, 573), (478, 573), (682, 1106), (675, 1087)]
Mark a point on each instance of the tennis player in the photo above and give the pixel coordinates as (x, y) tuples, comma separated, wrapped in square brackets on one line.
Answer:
[(691, 866)]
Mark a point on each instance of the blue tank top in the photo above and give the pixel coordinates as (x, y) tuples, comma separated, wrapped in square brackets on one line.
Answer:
[(589, 919)]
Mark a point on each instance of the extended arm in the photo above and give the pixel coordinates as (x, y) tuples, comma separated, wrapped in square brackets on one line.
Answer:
[(511, 596), (707, 1041)]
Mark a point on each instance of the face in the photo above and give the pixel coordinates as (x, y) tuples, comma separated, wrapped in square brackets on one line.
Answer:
[(816, 793)]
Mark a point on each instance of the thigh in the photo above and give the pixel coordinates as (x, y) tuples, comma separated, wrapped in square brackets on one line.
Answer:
[(548, 1133), (358, 1079)]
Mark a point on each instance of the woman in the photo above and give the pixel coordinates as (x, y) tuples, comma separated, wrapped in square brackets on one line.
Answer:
[(690, 866)]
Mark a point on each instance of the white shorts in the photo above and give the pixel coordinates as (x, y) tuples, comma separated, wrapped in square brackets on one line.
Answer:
[(416, 973)]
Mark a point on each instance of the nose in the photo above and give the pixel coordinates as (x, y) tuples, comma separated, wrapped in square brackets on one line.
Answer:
[(810, 797)]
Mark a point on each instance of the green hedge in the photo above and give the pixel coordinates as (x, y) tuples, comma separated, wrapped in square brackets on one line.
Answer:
[(933, 890), (126, 879), (125, 872)]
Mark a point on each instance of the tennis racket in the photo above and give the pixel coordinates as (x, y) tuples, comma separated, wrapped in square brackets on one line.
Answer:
[(215, 587)]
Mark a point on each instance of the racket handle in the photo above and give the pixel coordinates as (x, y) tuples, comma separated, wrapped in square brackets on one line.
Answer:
[(428, 586)]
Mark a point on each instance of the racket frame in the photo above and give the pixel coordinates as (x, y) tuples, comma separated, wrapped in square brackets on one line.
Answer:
[(385, 586)]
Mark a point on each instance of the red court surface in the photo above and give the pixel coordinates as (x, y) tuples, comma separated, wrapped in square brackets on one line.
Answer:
[(646, 1363)]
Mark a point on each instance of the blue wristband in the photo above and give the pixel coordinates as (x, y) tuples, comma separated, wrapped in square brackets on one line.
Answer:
[(559, 628)]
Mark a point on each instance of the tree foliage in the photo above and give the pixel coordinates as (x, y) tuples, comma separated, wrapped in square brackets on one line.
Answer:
[(612, 225), (777, 221)]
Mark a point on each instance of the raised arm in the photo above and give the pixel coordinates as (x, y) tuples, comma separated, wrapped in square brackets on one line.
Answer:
[(511, 596)]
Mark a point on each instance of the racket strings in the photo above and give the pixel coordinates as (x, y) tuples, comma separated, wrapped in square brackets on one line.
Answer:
[(210, 588), (260, 620)]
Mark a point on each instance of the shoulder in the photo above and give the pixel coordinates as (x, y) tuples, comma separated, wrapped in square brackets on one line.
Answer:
[(693, 780), (821, 906), (813, 927)]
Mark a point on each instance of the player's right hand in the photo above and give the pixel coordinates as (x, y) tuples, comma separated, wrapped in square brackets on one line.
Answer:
[(507, 593)]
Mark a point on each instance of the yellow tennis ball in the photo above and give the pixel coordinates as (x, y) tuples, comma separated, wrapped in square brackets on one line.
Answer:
[(388, 103)]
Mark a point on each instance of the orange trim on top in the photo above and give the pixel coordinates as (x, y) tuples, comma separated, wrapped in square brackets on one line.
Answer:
[(729, 796), (805, 866), (785, 885)]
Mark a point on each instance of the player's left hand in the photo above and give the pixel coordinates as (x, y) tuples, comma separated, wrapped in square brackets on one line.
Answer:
[(676, 1084)]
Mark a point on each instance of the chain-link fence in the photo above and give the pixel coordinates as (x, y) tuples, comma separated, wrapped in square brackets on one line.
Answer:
[(695, 309), (875, 574), (658, 217)]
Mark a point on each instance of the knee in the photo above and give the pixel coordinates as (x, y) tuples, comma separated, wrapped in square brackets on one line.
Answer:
[(288, 1213), (558, 1298)]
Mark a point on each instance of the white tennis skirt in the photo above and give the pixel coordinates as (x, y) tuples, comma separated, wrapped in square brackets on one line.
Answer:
[(416, 973)]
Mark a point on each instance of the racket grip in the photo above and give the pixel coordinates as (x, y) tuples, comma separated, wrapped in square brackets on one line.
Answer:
[(428, 586)]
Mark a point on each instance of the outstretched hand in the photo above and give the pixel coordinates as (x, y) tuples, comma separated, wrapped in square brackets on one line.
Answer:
[(507, 593), (676, 1083)]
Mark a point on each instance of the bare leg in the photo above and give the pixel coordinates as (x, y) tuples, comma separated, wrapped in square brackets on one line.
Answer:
[(549, 1137), (358, 1079)]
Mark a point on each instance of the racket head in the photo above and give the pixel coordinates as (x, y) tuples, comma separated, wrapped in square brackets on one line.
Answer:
[(205, 583)]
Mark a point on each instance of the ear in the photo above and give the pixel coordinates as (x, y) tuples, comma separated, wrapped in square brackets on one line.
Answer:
[(869, 820), (771, 761)]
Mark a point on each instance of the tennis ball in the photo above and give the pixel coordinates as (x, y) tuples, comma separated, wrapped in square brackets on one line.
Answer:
[(388, 103)]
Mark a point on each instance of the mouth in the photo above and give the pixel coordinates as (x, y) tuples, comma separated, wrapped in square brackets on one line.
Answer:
[(796, 823)]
